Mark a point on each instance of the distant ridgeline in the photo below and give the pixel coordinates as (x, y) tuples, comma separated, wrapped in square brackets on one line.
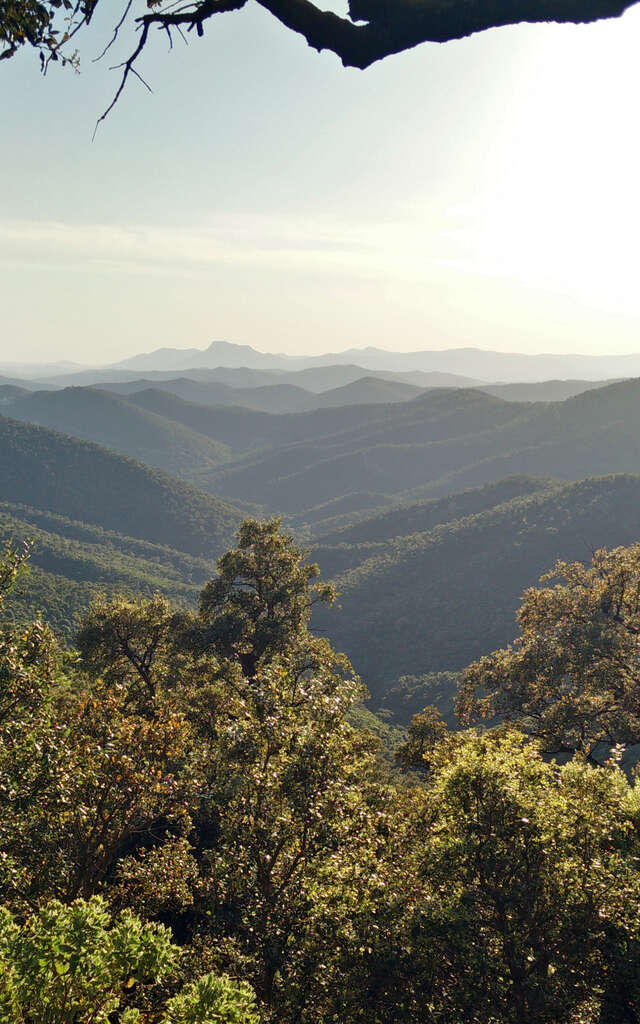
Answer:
[(431, 509)]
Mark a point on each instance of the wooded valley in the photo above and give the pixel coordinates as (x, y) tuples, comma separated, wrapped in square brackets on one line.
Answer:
[(291, 728)]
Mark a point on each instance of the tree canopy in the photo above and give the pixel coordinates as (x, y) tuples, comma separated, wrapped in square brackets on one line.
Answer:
[(572, 678), (194, 831)]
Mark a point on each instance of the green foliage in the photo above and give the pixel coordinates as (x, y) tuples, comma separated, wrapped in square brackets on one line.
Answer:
[(210, 773), (426, 733), (234, 806), (388, 735), (121, 638), (213, 1000), (37, 23), (29, 737), (573, 676), (73, 965), (531, 885), (259, 603), (72, 564)]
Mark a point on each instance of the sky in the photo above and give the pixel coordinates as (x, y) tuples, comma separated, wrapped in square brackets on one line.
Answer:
[(482, 192)]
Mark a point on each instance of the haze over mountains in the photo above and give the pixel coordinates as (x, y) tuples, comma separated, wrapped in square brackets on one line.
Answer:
[(489, 366), (431, 496), (472, 364)]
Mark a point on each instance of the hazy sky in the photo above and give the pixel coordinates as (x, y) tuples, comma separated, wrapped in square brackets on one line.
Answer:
[(478, 193)]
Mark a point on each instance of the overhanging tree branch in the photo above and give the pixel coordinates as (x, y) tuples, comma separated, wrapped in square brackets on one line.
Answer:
[(377, 28), (373, 29), (396, 25)]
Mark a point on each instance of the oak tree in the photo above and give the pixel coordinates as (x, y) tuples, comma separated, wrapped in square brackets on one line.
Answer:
[(572, 677)]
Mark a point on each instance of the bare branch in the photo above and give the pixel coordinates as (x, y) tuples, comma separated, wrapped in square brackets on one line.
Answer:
[(128, 68), (115, 32), (373, 30)]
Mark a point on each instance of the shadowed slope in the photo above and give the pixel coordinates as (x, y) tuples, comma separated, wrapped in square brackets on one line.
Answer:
[(83, 481), (439, 599), (110, 420)]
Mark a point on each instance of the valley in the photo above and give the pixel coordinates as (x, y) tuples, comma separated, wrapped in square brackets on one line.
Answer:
[(430, 507)]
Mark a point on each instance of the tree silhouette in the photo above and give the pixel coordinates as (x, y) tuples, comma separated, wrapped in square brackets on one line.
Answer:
[(373, 29)]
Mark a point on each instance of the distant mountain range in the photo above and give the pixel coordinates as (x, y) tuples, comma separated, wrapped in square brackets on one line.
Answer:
[(469, 362), (461, 367), (29, 370), (436, 443), (314, 378)]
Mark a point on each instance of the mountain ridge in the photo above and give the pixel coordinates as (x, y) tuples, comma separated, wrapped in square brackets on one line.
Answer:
[(488, 365)]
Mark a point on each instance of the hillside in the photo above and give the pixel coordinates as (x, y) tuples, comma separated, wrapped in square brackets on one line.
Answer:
[(437, 600), (421, 516), (394, 448), (366, 391), (72, 562), (276, 398), (542, 391), (10, 393), (443, 442), (88, 483), (112, 421), (439, 443), (246, 429)]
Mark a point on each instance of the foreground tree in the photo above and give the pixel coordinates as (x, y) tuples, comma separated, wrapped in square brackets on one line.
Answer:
[(259, 604), (204, 772), (76, 964), (572, 678), (197, 780), (374, 29), (531, 888)]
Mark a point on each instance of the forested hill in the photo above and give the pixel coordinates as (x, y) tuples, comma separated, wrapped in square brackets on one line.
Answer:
[(396, 448), (421, 516), (430, 573), (111, 420), (437, 444), (444, 442), (281, 397), (85, 482), (272, 397), (244, 430), (438, 599), (72, 562)]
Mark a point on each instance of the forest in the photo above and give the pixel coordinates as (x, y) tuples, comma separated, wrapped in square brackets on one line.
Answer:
[(198, 824), (319, 715), (319, 512)]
